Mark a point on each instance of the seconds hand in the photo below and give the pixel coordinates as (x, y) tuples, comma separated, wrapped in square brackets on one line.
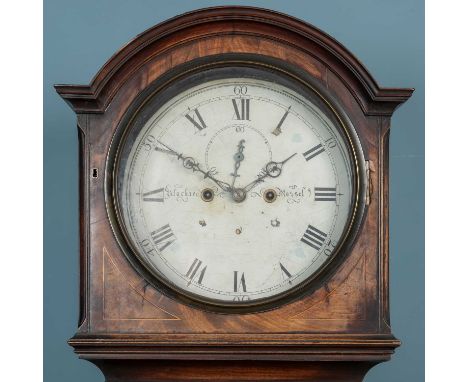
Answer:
[(238, 158)]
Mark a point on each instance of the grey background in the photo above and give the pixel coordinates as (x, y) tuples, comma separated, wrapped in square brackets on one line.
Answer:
[(79, 36)]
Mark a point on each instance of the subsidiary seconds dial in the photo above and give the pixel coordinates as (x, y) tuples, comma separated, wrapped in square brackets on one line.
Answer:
[(235, 190)]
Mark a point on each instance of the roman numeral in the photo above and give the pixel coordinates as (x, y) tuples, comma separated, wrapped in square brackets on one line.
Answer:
[(242, 114), (278, 131), (152, 196), (313, 237), (239, 283), (325, 194), (313, 152), (193, 271), (147, 247), (196, 120), (163, 237), (285, 271)]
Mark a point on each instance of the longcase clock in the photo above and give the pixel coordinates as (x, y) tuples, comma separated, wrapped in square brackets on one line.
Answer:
[(234, 204)]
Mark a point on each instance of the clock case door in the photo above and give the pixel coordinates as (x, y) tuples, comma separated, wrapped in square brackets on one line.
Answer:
[(134, 330), (200, 71)]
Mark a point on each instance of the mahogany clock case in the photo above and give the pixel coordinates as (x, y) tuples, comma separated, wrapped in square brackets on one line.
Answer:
[(213, 68), (133, 325)]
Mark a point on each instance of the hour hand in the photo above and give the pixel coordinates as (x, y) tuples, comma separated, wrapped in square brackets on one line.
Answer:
[(272, 169)]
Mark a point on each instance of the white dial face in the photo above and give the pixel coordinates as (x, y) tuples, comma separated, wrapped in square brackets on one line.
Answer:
[(237, 190)]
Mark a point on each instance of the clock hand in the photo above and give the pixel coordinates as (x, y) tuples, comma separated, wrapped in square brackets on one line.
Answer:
[(272, 169), (191, 164), (238, 158)]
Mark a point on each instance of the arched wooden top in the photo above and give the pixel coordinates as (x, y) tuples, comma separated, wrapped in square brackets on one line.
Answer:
[(234, 20)]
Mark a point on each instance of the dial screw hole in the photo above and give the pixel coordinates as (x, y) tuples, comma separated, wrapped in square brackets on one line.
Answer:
[(207, 194), (269, 195)]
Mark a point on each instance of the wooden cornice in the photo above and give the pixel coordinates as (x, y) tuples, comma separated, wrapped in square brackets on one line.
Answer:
[(95, 97)]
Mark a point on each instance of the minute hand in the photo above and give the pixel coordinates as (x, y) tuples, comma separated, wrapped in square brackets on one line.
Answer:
[(272, 169), (191, 164)]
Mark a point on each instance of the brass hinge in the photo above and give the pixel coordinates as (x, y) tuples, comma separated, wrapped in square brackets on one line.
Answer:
[(370, 188)]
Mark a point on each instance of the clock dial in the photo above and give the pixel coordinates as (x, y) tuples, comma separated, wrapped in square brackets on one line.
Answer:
[(236, 190)]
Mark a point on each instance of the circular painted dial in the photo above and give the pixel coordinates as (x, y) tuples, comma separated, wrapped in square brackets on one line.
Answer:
[(236, 190)]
